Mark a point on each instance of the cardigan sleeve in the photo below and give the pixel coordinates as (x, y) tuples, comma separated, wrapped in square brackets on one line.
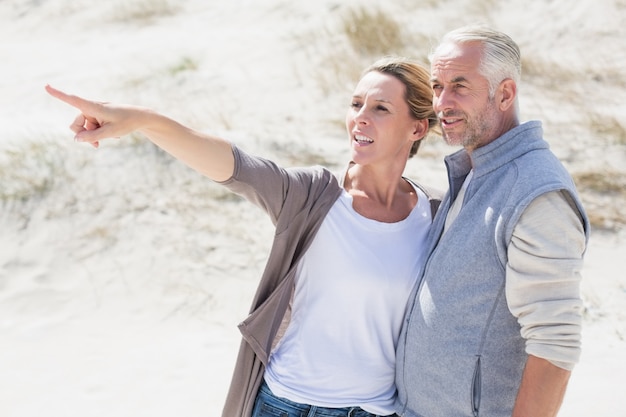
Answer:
[(273, 188), (259, 181), (543, 277)]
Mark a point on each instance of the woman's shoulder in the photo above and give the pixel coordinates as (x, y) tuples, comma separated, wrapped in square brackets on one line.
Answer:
[(433, 194)]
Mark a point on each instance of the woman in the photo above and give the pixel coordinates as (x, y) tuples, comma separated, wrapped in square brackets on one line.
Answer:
[(324, 323)]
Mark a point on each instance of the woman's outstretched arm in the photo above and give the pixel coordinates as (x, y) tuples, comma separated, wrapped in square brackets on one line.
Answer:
[(209, 155)]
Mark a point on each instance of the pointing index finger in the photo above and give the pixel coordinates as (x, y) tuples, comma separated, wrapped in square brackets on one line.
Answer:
[(74, 101)]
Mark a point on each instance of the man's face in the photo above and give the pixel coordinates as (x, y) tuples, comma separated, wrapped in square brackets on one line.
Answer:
[(468, 115)]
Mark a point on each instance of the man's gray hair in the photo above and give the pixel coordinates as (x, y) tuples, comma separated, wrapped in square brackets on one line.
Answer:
[(501, 56)]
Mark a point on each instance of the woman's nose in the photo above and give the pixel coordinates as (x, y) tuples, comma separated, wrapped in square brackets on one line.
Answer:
[(360, 116)]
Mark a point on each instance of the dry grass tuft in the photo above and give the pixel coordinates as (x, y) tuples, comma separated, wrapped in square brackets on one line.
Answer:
[(536, 69), (608, 127), (602, 192), (372, 32), (144, 10), (603, 182), (185, 64), (30, 170), (352, 41)]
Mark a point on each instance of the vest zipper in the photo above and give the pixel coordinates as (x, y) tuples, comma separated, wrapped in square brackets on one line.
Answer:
[(476, 388)]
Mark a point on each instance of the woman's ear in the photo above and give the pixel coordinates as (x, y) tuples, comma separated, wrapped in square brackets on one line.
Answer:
[(420, 129)]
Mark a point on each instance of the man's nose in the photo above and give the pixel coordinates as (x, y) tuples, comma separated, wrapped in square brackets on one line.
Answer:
[(443, 101)]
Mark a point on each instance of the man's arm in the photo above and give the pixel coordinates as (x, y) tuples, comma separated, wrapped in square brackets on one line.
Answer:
[(542, 389), (543, 292)]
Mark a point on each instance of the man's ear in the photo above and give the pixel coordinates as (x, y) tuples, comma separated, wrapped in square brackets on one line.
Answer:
[(507, 91)]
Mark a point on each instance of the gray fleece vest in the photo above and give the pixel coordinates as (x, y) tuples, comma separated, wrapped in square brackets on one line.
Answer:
[(461, 352)]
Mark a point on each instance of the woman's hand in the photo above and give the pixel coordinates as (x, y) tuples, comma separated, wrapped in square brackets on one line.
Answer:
[(97, 121), (207, 154)]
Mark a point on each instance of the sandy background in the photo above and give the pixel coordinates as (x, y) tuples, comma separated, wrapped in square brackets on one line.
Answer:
[(123, 274)]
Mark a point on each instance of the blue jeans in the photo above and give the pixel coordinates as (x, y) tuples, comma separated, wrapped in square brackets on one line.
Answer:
[(269, 405)]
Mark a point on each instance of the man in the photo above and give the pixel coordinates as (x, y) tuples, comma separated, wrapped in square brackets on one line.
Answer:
[(494, 327)]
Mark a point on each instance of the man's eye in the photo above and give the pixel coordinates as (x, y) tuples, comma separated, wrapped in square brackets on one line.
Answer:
[(436, 87)]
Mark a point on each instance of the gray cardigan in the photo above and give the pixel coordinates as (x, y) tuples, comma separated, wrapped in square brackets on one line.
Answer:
[(297, 201)]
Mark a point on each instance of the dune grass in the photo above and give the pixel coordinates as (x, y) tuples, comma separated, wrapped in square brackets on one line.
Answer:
[(353, 40), (31, 170), (143, 10), (608, 128), (184, 63), (606, 181), (372, 32), (602, 191)]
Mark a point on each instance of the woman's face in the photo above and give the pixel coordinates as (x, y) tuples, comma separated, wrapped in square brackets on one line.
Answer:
[(379, 122)]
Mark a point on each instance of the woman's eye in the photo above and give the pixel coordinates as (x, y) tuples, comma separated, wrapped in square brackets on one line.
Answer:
[(382, 108), (355, 105)]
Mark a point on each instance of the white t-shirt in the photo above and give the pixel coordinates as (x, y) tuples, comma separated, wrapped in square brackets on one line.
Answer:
[(351, 293)]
